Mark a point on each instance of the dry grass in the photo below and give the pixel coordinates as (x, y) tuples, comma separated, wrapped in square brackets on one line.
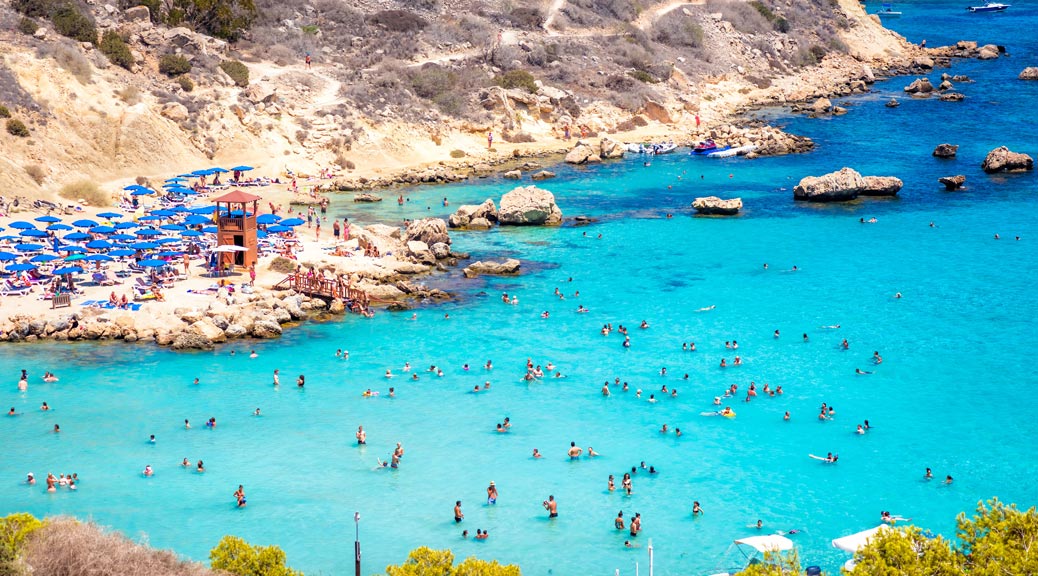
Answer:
[(65, 547), (36, 172), (85, 191)]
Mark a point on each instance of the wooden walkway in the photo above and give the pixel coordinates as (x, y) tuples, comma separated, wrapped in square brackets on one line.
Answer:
[(324, 287)]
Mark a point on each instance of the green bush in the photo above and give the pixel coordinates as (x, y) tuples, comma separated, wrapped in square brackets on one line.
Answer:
[(237, 71), (818, 52), (678, 31), (781, 25), (425, 561), (399, 21), (174, 65), (643, 76), (114, 47), (528, 18), (27, 26), (226, 19), (185, 83), (764, 10), (4, 112), (72, 23), (16, 127), (242, 559), (35, 8), (458, 154), (14, 529), (517, 79)]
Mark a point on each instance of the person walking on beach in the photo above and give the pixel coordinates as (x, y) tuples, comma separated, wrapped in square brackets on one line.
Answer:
[(252, 275), (490, 139), (551, 506), (336, 230)]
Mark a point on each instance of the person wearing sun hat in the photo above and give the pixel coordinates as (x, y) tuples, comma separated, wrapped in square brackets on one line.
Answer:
[(492, 493)]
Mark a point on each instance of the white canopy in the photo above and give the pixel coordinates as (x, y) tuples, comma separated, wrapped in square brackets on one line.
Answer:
[(230, 248), (769, 543), (855, 542)]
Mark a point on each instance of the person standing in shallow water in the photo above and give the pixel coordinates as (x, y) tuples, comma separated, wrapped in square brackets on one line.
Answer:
[(551, 506)]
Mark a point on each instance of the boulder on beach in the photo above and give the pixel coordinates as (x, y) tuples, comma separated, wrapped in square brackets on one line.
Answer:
[(716, 206), (1001, 159), (881, 186), (952, 182), (428, 230), (920, 86), (529, 206), (946, 150), (508, 267), (839, 186), (609, 148), (465, 214), (580, 154), (1029, 73)]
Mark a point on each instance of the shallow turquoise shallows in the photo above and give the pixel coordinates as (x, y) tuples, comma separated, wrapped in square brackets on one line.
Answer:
[(955, 391)]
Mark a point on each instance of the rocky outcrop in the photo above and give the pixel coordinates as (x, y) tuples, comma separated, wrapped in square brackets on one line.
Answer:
[(529, 206), (506, 268), (542, 175), (713, 205), (920, 86), (988, 52), (952, 97), (946, 150), (582, 153), (1029, 73), (892, 103), (512, 175), (833, 187), (137, 14), (821, 106), (766, 140), (1003, 160), (609, 148), (428, 230), (175, 111), (952, 182), (365, 197), (465, 214), (881, 186)]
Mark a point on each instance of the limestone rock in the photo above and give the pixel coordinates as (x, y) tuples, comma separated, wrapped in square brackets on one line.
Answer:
[(529, 206), (137, 14), (510, 266), (191, 340), (945, 85), (609, 148), (952, 97), (479, 224), (513, 175), (337, 306), (821, 106), (579, 154), (266, 329), (542, 175), (881, 186), (988, 52), (946, 150), (209, 330), (420, 251), (440, 250), (175, 111), (892, 103), (261, 92), (428, 230), (1029, 73), (919, 86), (468, 212), (952, 182), (715, 205), (924, 62), (833, 187), (366, 197), (235, 331), (1003, 160)]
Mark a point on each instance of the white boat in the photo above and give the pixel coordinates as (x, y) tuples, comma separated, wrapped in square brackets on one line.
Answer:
[(887, 11), (759, 546), (634, 148), (855, 542), (738, 151), (989, 7)]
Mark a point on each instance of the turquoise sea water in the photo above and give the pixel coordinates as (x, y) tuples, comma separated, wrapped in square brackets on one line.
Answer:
[(954, 391)]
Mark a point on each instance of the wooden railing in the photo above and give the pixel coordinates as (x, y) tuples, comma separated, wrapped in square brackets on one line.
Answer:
[(323, 287)]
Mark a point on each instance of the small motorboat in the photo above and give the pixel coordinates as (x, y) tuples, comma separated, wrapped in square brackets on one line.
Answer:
[(635, 148), (887, 11), (661, 148), (705, 147), (989, 7)]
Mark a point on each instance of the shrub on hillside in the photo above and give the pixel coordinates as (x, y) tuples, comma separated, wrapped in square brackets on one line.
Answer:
[(35, 8), (174, 65), (38, 174), (130, 95), (226, 19), (114, 47), (678, 30), (185, 83), (643, 76), (528, 18), (70, 59), (16, 127), (517, 79), (743, 17), (27, 26), (398, 20), (237, 71), (68, 21), (4, 112), (458, 154), (238, 557), (86, 191)]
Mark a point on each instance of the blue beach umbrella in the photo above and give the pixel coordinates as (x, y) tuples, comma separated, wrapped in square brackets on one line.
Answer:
[(22, 225), (132, 187), (33, 233), (267, 218), (47, 218), (21, 266), (191, 233), (144, 245), (101, 230), (149, 232), (195, 219), (150, 218), (162, 212), (161, 241), (152, 263), (109, 215), (242, 168), (68, 270), (176, 179), (278, 228), (174, 227), (75, 236), (204, 210), (210, 229), (98, 258), (122, 252), (71, 249), (169, 254), (28, 247), (125, 225), (218, 170), (122, 237), (59, 227), (140, 192), (84, 223), (43, 258), (99, 244), (292, 222), (8, 256)]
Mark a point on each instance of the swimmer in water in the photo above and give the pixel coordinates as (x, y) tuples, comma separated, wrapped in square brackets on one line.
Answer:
[(253, 354), (707, 309), (536, 453), (574, 451), (256, 412), (928, 475), (696, 508), (860, 371)]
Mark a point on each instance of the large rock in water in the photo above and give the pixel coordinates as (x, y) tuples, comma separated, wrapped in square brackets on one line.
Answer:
[(508, 267), (833, 187), (609, 148), (952, 182), (920, 86), (428, 230), (529, 206), (465, 214), (946, 150), (1001, 159), (1029, 73), (881, 186), (715, 205), (580, 154)]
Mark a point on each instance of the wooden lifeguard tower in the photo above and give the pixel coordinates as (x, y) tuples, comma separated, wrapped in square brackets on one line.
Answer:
[(236, 226)]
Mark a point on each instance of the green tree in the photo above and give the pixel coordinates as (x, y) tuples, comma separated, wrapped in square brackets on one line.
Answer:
[(425, 561), (906, 552), (14, 529), (238, 557), (174, 65), (114, 47), (775, 564), (70, 22), (225, 19), (999, 540)]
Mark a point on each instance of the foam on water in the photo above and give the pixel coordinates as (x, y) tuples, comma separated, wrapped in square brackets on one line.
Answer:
[(953, 392)]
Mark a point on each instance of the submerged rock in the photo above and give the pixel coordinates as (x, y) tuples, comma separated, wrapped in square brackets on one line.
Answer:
[(892, 103), (508, 267), (717, 206), (542, 175), (1003, 160), (529, 206)]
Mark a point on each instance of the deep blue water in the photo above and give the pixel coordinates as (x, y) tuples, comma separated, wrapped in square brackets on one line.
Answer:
[(953, 392)]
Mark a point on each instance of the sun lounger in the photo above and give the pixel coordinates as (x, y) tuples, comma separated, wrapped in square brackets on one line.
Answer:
[(9, 289)]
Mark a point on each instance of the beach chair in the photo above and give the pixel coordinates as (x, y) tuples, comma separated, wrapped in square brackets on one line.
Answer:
[(9, 289)]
